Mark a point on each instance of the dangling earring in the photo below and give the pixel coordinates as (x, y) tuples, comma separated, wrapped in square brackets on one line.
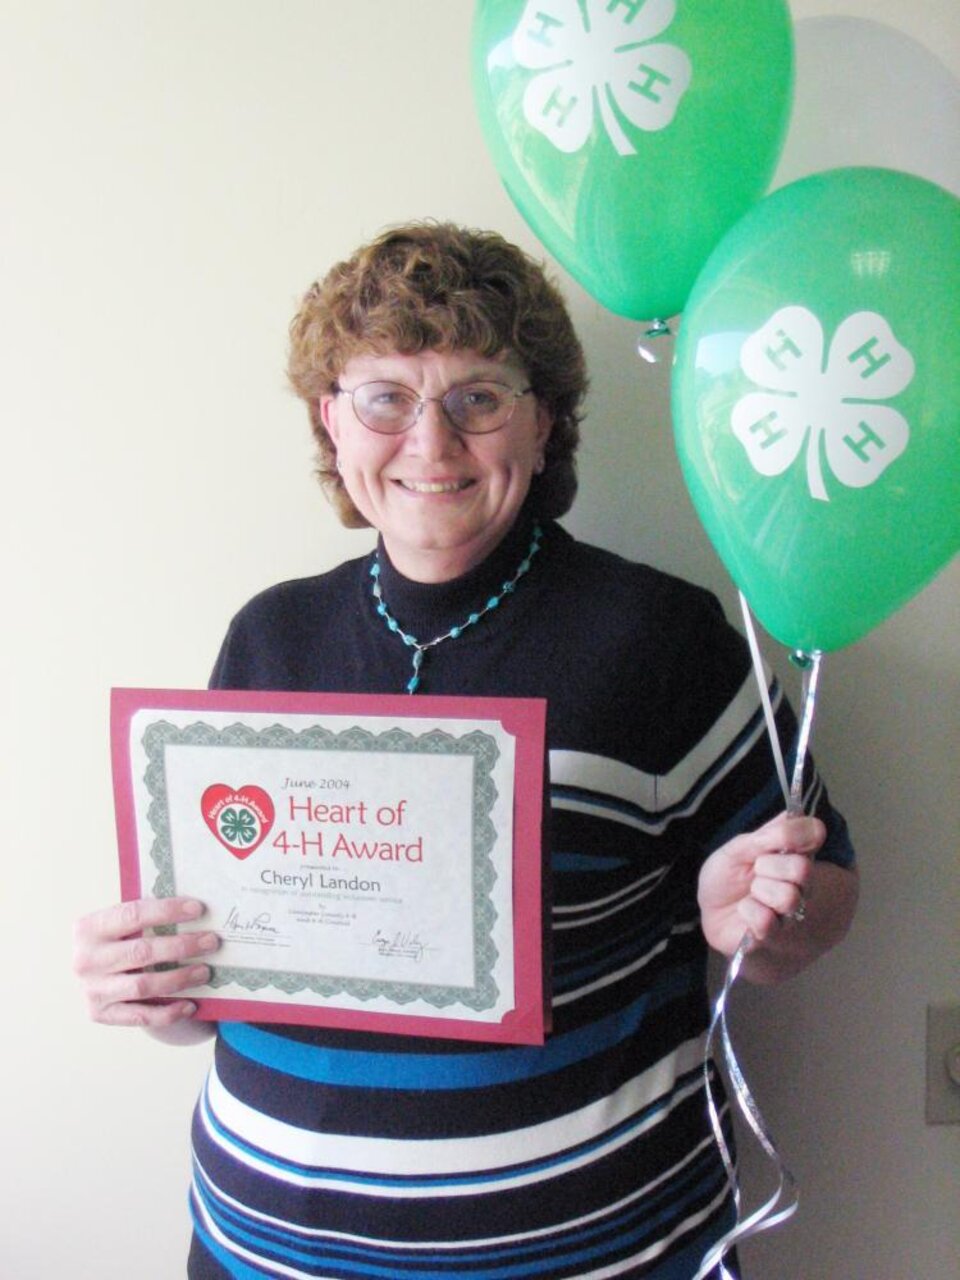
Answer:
[(540, 465), (339, 466)]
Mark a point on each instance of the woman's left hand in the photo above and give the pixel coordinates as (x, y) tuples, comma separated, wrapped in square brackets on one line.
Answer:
[(767, 883)]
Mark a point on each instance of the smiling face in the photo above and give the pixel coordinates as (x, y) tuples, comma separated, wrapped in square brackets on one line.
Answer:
[(441, 499)]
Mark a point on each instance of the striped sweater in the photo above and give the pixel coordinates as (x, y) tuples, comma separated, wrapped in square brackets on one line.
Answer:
[(349, 1154)]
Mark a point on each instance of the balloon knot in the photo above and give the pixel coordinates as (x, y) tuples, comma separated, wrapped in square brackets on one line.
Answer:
[(656, 329)]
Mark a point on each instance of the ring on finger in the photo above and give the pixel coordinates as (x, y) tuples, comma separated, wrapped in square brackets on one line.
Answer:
[(799, 913)]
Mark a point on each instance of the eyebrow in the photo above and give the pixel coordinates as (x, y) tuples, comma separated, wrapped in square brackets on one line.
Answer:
[(463, 380), (488, 372)]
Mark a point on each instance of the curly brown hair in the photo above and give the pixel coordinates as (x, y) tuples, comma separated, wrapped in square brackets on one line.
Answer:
[(438, 286)]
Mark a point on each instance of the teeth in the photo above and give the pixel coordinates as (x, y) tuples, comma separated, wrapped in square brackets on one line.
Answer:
[(429, 487)]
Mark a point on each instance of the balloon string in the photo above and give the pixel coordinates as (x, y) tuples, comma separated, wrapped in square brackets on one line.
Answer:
[(784, 1201), (760, 672), (811, 681)]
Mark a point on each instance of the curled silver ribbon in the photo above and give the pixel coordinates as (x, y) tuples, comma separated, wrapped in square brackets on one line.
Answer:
[(785, 1199)]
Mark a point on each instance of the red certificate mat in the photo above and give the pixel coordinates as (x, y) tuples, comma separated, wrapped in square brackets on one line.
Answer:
[(368, 862)]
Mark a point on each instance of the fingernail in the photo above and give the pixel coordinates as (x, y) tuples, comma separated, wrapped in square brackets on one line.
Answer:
[(208, 942), (189, 1009), (198, 973), (192, 909)]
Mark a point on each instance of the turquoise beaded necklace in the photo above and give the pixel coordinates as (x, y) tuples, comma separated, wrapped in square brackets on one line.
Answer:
[(420, 648)]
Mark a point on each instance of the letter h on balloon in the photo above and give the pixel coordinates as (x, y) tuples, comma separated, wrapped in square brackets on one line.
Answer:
[(560, 107), (542, 36), (765, 427), (860, 447), (787, 347), (873, 363), (646, 89), (633, 7)]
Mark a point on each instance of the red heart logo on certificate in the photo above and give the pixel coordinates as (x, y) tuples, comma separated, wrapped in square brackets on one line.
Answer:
[(239, 817)]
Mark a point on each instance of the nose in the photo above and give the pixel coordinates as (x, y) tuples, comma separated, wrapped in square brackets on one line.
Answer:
[(433, 435)]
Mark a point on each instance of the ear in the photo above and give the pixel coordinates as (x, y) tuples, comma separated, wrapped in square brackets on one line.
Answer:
[(329, 416), (544, 425)]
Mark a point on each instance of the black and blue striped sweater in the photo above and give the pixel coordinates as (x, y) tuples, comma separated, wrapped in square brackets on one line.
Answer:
[(352, 1155)]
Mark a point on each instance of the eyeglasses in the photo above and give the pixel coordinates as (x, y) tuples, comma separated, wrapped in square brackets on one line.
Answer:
[(476, 408)]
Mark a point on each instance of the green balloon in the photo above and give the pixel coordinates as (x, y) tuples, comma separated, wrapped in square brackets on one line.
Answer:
[(816, 400), (631, 134)]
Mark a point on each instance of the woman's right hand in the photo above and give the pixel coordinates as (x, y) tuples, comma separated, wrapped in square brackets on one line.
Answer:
[(113, 958)]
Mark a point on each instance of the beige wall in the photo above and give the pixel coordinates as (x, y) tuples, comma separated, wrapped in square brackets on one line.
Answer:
[(173, 174)]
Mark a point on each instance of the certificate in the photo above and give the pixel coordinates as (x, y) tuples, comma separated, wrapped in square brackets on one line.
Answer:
[(368, 862)]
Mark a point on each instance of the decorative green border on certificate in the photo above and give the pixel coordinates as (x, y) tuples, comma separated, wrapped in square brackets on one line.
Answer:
[(482, 747)]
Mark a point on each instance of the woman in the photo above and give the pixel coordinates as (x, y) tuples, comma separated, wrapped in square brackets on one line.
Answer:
[(444, 381)]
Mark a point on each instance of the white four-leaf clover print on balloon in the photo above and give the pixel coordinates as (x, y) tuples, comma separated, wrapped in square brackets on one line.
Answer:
[(834, 408), (598, 56)]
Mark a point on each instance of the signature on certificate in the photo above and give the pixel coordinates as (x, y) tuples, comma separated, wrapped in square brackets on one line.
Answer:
[(407, 946), (260, 923)]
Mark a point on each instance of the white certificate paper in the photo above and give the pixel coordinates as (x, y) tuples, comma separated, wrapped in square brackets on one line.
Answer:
[(368, 862)]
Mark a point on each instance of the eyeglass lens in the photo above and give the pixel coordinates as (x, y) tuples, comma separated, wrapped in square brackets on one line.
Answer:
[(474, 407)]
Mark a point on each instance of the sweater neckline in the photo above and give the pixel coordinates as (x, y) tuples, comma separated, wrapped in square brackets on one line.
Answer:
[(427, 608)]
